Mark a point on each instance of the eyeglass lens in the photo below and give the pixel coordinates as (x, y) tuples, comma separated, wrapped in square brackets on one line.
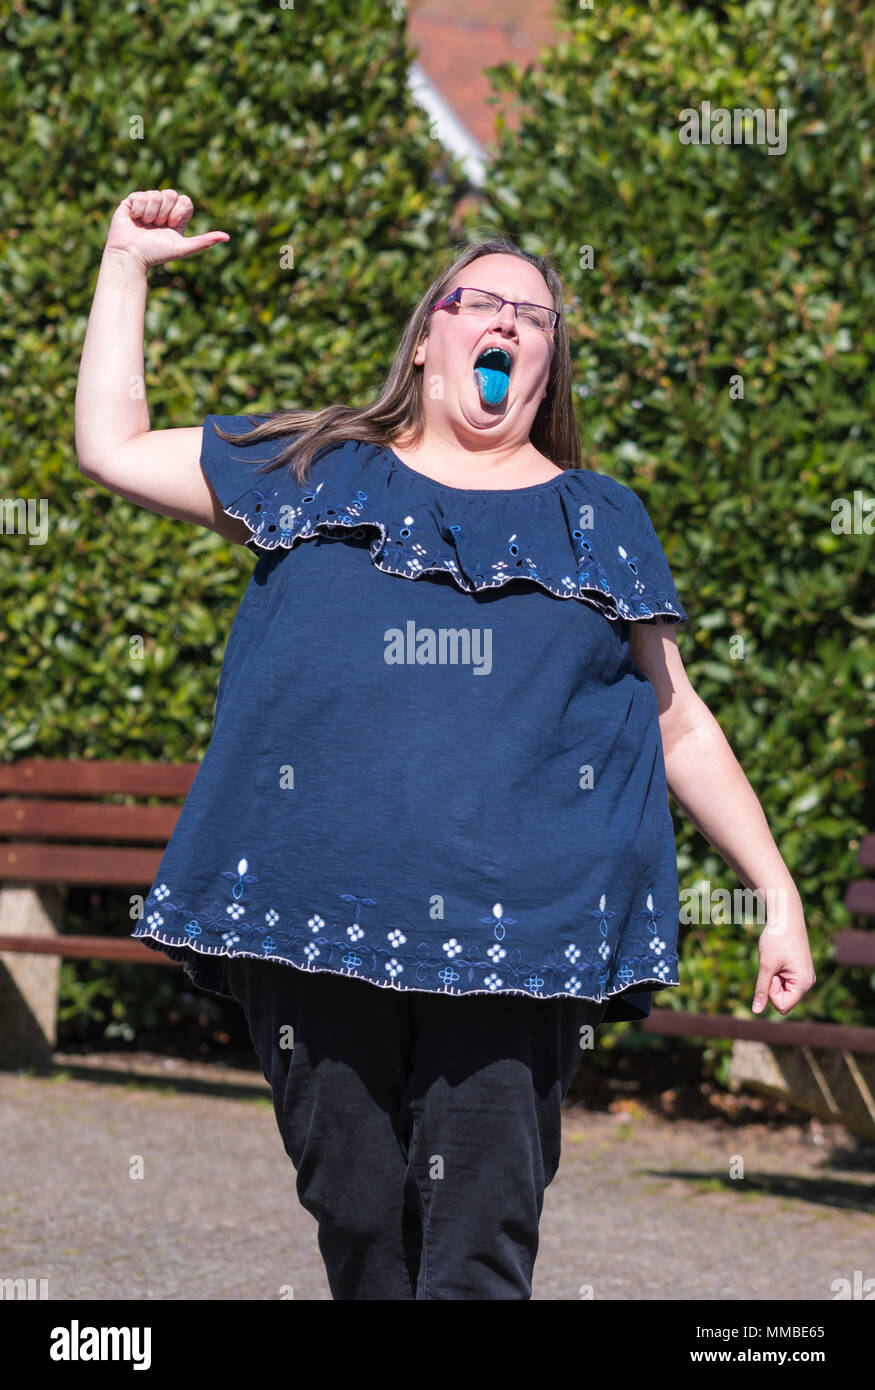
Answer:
[(482, 302)]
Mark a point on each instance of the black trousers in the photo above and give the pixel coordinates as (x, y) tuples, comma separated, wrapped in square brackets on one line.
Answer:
[(423, 1128)]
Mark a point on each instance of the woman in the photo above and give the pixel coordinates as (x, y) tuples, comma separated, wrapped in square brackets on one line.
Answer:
[(429, 849)]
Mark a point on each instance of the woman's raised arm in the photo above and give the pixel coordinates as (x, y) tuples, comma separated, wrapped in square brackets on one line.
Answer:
[(158, 469)]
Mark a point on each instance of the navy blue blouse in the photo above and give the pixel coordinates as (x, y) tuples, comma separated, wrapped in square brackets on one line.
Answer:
[(434, 764)]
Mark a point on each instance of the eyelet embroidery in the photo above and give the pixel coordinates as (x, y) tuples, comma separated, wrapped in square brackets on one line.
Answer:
[(401, 548), (361, 953)]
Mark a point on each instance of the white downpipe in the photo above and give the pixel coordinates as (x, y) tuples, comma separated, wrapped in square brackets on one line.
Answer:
[(453, 135)]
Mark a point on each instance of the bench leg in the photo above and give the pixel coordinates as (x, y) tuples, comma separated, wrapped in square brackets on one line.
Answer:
[(29, 983), (836, 1085)]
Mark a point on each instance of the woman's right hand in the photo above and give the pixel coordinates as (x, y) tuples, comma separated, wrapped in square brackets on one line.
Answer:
[(148, 226)]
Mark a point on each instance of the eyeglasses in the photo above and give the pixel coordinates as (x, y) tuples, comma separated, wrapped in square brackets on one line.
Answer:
[(471, 301)]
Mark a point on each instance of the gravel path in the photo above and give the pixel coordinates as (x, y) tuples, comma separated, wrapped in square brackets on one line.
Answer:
[(643, 1207)]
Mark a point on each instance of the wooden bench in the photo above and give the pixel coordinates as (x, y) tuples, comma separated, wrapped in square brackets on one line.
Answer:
[(826, 1069), (50, 819), (56, 829)]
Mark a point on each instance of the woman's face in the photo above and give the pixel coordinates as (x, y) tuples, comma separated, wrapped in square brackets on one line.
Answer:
[(452, 400)]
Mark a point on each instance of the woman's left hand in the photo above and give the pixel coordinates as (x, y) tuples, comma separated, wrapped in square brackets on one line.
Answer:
[(786, 968)]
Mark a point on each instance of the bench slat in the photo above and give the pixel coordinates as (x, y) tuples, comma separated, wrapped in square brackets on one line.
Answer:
[(28, 863), (87, 820), (860, 897), (85, 948), (866, 852), (82, 777), (674, 1023), (855, 948)]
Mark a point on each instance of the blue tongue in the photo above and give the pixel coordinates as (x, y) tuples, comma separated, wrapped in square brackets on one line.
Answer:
[(493, 385)]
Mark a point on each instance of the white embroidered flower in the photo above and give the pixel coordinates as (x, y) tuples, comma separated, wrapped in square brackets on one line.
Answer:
[(161, 892), (311, 950), (154, 919), (452, 947), (396, 937), (315, 923), (230, 938), (394, 967), (573, 953), (271, 917), (604, 950), (572, 984), (657, 945), (235, 911), (493, 981), (354, 931), (496, 953)]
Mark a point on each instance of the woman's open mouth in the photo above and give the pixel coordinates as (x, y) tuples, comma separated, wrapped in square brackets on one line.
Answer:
[(492, 374)]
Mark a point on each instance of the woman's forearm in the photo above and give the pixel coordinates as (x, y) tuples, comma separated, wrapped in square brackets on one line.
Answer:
[(111, 402), (710, 786)]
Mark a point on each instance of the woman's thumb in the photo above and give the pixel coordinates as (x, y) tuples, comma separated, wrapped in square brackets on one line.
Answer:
[(191, 244), (761, 990)]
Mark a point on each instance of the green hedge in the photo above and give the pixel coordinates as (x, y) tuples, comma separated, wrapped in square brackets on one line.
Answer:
[(711, 261), (288, 128), (295, 128)]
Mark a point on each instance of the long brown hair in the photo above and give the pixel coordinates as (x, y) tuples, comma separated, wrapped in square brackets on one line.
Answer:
[(398, 410)]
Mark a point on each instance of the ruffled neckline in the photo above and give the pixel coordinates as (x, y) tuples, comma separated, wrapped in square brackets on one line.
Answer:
[(483, 538)]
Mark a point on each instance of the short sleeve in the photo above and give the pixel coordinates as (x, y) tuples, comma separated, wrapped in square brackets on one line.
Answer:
[(233, 470), (651, 558)]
